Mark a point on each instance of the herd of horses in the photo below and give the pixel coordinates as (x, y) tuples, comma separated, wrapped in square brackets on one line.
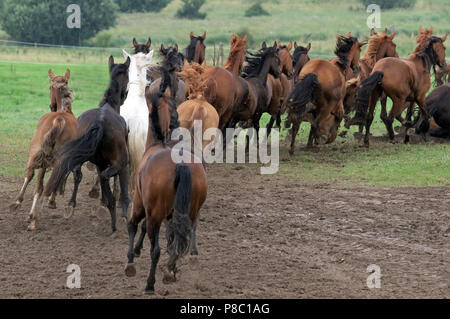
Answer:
[(128, 137)]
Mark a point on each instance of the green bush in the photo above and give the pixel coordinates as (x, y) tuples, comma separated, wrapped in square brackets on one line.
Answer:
[(242, 32), (256, 10), (142, 5), (45, 21), (190, 10), (390, 4)]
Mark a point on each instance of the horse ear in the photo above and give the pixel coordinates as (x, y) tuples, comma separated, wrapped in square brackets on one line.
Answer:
[(191, 35), (444, 38), (245, 38), (127, 62), (431, 29), (204, 35), (135, 42), (125, 54), (110, 63), (392, 36), (361, 44), (308, 47), (372, 32), (176, 47), (289, 46), (51, 74), (162, 49), (264, 45), (295, 45), (149, 43), (420, 29), (149, 56), (67, 75), (275, 45)]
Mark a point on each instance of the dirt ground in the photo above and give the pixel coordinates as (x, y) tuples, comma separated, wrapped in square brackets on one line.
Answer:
[(259, 237)]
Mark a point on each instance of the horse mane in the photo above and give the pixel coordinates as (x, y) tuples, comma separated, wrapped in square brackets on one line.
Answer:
[(370, 56), (195, 86), (65, 92), (298, 52), (190, 50), (256, 61), (424, 49), (111, 97), (343, 47), (235, 49)]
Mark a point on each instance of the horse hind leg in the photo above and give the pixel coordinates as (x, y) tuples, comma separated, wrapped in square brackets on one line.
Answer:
[(193, 248), (28, 178), (94, 192), (36, 196), (155, 251), (140, 242), (124, 199), (77, 177), (370, 115), (294, 131)]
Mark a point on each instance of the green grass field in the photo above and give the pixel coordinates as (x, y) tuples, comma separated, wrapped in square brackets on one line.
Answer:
[(24, 93)]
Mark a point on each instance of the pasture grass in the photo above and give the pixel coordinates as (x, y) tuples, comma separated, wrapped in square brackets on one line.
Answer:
[(24, 99)]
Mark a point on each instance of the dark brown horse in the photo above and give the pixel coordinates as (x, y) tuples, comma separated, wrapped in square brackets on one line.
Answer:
[(53, 131), (140, 47), (323, 84), (256, 72), (165, 191), (225, 89), (402, 80), (102, 141), (438, 107), (195, 52)]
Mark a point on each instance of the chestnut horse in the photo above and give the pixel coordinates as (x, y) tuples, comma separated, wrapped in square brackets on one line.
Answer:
[(402, 80), (165, 191), (53, 131), (102, 140), (323, 83), (195, 52), (197, 108), (225, 89)]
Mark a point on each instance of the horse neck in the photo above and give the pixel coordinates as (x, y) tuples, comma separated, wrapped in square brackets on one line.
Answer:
[(264, 72), (233, 65), (137, 82), (420, 63), (112, 96)]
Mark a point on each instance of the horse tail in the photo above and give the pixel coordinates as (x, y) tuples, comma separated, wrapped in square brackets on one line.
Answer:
[(367, 86), (303, 93), (137, 137), (50, 138), (75, 153), (179, 244)]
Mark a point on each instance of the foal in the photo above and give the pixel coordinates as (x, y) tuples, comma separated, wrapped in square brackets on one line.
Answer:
[(165, 191), (102, 141), (53, 131)]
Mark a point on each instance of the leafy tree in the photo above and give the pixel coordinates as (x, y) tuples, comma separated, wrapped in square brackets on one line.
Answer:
[(256, 8), (390, 4), (190, 10), (142, 5), (45, 21)]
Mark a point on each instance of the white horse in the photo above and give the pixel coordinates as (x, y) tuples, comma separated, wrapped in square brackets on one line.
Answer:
[(135, 110)]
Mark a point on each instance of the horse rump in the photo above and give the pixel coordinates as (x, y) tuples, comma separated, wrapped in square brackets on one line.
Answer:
[(46, 155), (179, 241), (73, 154)]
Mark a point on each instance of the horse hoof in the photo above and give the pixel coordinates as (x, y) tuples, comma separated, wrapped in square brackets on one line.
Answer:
[(169, 277), (130, 270), (51, 205), (13, 207), (149, 292), (137, 253), (94, 193), (68, 213), (32, 226), (194, 252)]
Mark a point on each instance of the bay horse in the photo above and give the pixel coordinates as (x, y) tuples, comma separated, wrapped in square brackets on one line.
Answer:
[(323, 84), (165, 191), (53, 131), (195, 52), (196, 108), (255, 73), (134, 109), (402, 80), (102, 140), (438, 107), (442, 75), (225, 89)]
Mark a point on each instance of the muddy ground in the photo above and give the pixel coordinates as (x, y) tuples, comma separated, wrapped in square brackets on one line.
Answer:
[(259, 237)]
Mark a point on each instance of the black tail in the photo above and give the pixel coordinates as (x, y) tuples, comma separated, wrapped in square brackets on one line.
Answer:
[(303, 93), (181, 221), (73, 154), (364, 93)]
